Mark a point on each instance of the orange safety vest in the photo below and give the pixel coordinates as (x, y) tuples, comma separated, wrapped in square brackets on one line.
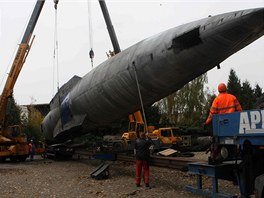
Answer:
[(31, 147), (223, 103)]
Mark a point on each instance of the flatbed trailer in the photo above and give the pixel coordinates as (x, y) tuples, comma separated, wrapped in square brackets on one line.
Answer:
[(238, 141)]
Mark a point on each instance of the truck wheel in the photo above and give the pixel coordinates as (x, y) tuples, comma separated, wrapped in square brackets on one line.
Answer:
[(13, 158), (187, 154), (22, 158), (2, 159), (259, 186), (117, 147), (246, 170)]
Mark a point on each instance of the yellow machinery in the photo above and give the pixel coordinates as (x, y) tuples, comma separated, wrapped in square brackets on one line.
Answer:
[(127, 141), (162, 137), (13, 144), (167, 136), (135, 126)]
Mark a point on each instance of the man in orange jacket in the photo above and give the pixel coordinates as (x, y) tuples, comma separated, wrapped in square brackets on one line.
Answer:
[(223, 103)]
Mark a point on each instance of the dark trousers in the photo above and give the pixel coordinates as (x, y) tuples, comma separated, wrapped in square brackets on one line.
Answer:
[(139, 165), (31, 155)]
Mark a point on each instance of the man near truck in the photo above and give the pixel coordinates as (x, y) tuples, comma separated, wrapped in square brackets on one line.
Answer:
[(31, 150), (223, 103), (142, 152)]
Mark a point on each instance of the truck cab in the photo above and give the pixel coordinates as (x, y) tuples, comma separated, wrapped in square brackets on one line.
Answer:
[(168, 136)]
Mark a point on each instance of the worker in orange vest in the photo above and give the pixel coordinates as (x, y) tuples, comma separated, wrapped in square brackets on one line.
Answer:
[(31, 150), (223, 103)]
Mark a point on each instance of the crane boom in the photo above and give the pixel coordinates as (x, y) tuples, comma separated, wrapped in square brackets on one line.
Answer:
[(18, 62), (110, 27)]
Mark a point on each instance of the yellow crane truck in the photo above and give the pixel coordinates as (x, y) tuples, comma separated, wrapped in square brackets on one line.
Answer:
[(168, 137), (162, 137), (13, 144)]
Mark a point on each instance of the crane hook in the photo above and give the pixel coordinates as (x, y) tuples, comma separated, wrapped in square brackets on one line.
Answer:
[(91, 54), (56, 3)]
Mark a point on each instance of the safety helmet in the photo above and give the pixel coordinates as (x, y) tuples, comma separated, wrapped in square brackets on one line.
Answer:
[(222, 87)]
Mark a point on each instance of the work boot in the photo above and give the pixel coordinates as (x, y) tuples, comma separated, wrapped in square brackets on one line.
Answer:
[(147, 186)]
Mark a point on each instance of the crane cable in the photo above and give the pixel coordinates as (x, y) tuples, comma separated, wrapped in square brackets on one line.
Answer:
[(141, 101), (56, 59), (142, 107), (91, 52), (56, 50)]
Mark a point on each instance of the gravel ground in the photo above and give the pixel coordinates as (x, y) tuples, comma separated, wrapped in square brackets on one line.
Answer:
[(47, 178)]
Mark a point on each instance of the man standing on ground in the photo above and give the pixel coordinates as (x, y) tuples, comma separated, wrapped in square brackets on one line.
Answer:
[(31, 150), (142, 151)]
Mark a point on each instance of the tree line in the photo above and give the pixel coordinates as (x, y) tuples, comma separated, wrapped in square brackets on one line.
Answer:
[(190, 105), (30, 121)]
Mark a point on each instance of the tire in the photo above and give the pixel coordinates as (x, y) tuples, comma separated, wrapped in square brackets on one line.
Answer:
[(117, 147), (247, 170), (187, 154), (13, 158), (22, 158), (2, 159)]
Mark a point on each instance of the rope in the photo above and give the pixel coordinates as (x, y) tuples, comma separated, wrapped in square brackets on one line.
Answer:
[(55, 53), (53, 76), (140, 97), (91, 53)]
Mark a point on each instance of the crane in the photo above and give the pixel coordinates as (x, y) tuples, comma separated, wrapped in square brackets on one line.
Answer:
[(13, 144)]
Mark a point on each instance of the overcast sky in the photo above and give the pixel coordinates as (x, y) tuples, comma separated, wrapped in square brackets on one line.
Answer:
[(133, 20)]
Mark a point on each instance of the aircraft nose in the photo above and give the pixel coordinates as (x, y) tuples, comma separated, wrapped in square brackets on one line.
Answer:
[(254, 22), (256, 18), (248, 25)]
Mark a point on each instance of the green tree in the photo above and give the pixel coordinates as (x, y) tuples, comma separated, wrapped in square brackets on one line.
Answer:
[(246, 96), (169, 111), (153, 115), (257, 92), (234, 85), (186, 106), (13, 113), (210, 98), (32, 124), (259, 104)]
